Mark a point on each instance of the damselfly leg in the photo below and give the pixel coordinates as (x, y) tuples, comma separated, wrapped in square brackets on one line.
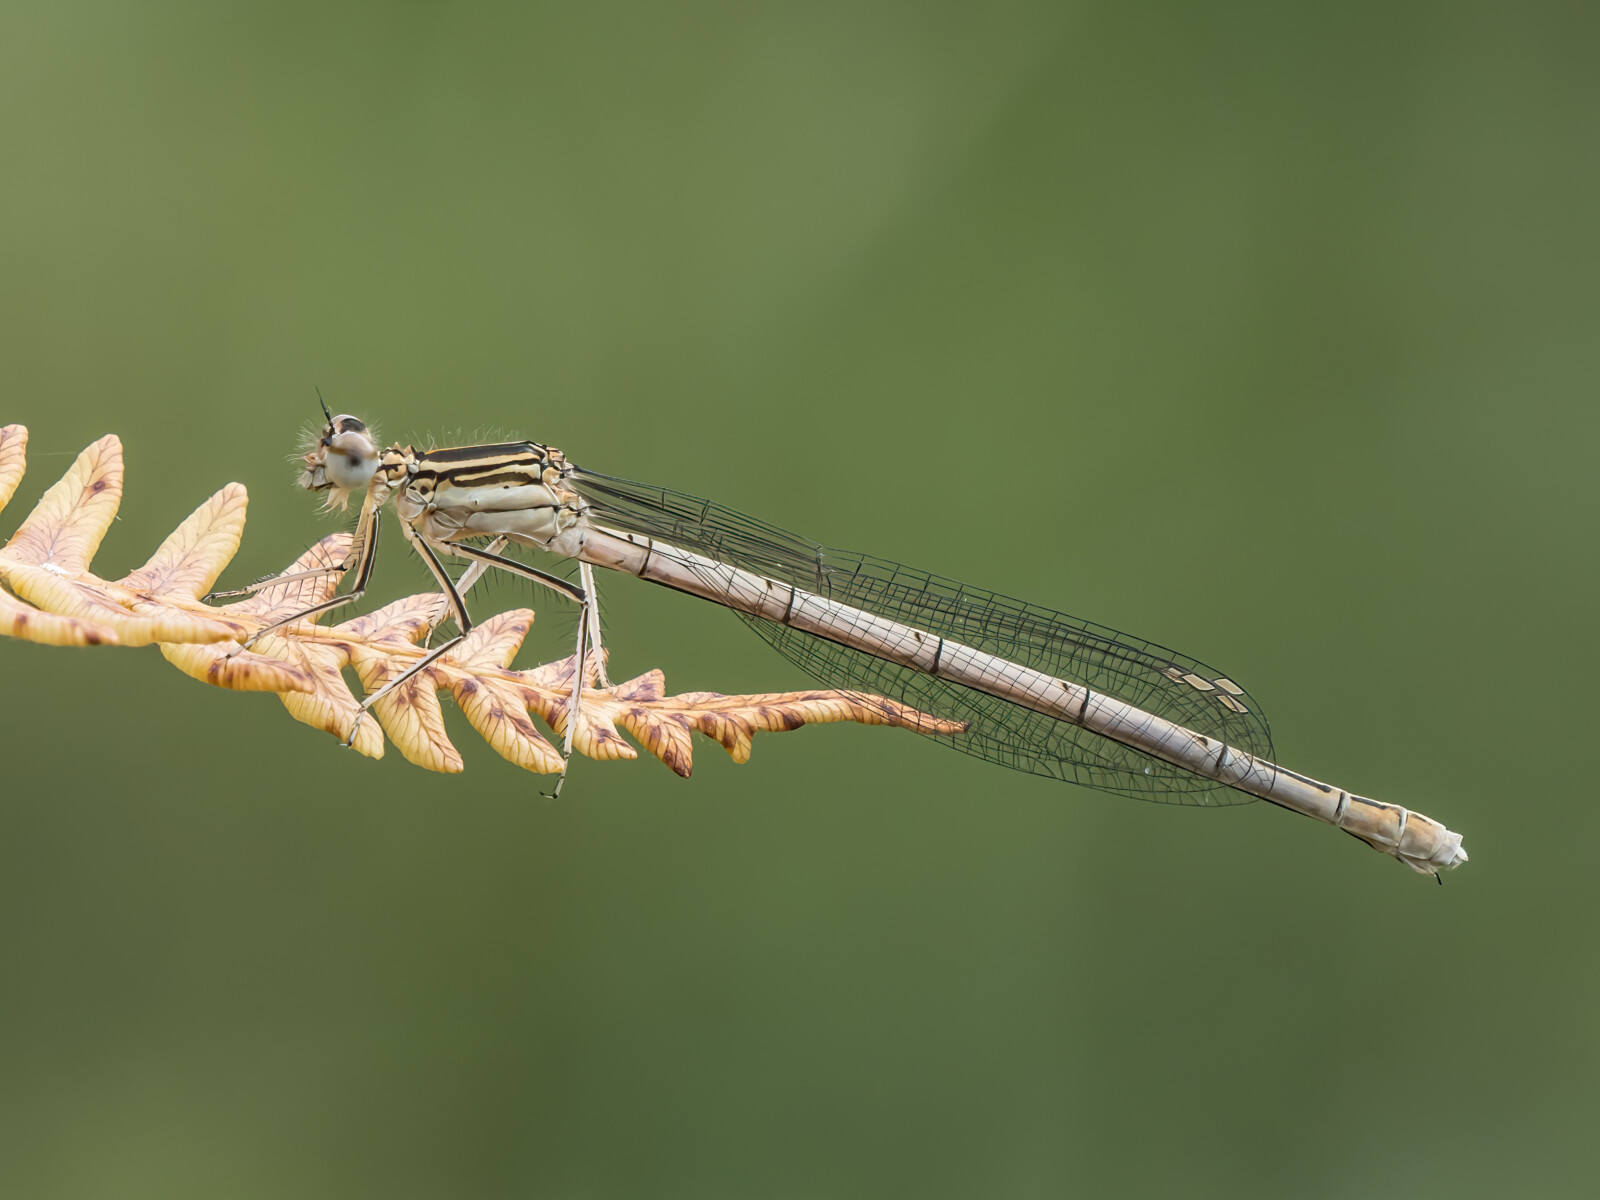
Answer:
[(588, 626), (267, 581), (477, 570), (586, 578), (365, 548), (487, 558), (481, 560), (575, 695), (458, 610)]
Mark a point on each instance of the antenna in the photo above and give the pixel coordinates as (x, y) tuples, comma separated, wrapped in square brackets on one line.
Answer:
[(324, 404)]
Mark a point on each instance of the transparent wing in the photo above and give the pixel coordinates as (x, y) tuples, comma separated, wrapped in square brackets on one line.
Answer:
[(1158, 680)]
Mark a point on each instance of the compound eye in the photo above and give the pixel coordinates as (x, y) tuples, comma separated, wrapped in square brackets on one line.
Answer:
[(351, 460), (350, 473)]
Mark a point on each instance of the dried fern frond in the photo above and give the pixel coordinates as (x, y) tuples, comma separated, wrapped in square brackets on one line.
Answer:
[(49, 595)]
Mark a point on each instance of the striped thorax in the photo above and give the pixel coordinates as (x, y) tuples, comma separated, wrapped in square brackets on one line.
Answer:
[(515, 490)]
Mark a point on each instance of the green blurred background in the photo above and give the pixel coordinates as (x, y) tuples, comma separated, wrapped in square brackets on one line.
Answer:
[(1266, 331)]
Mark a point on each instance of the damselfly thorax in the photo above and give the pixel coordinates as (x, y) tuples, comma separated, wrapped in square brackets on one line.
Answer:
[(514, 490)]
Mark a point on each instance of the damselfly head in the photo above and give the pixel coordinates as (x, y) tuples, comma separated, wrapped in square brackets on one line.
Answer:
[(340, 458)]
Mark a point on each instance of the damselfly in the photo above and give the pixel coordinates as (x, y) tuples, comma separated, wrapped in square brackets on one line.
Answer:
[(1036, 690)]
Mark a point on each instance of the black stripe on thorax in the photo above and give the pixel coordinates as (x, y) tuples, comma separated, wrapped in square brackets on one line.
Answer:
[(506, 477), (484, 466), (452, 455)]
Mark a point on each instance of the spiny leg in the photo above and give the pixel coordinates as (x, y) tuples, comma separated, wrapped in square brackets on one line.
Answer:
[(489, 559), (586, 577), (367, 542), (469, 578), (574, 696), (458, 610), (363, 547), (586, 621), (476, 570), (482, 560), (267, 581)]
